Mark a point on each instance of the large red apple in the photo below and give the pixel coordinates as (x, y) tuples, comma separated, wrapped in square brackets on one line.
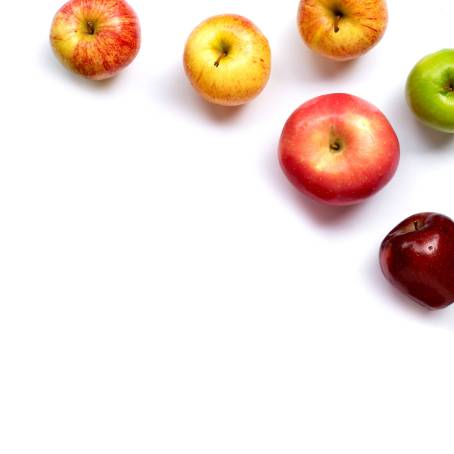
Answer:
[(96, 38), (417, 257), (338, 149)]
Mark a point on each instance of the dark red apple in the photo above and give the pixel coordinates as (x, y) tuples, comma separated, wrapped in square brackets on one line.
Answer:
[(417, 257), (339, 149)]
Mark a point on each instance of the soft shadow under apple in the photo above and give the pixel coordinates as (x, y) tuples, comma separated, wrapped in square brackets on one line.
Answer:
[(411, 131), (321, 214), (178, 91), (391, 294), (443, 318), (52, 64), (300, 61)]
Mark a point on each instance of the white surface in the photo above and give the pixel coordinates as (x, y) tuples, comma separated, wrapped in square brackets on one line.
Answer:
[(164, 290)]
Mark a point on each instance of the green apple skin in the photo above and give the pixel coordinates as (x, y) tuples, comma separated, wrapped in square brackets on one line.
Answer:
[(430, 90)]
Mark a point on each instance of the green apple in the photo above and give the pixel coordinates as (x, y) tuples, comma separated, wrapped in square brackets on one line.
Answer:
[(430, 90)]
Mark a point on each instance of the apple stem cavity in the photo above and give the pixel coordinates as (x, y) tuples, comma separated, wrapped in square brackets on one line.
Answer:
[(91, 27), (338, 16), (335, 144)]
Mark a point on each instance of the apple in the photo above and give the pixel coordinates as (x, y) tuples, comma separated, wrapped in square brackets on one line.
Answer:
[(95, 38), (338, 149), (342, 29), (227, 60), (430, 90), (417, 257)]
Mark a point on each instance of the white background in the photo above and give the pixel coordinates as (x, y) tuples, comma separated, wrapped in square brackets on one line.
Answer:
[(163, 289)]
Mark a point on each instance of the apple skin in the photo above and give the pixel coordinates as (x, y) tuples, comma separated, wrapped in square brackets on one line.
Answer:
[(430, 90), (227, 59), (338, 149), (417, 257), (342, 29), (95, 38)]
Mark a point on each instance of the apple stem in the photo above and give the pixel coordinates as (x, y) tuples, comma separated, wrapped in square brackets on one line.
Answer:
[(223, 54), (336, 22), (416, 224), (91, 27)]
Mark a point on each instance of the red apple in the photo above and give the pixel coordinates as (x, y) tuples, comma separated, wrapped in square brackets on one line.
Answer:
[(96, 38), (338, 149), (417, 257)]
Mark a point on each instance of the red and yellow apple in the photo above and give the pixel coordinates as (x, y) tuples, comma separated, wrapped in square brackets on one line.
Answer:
[(96, 38), (338, 149), (342, 29), (227, 60)]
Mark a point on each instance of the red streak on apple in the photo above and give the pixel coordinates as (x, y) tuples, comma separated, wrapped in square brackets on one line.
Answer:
[(338, 149)]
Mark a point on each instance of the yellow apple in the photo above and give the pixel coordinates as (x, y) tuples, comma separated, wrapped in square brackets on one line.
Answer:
[(342, 29), (227, 60)]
